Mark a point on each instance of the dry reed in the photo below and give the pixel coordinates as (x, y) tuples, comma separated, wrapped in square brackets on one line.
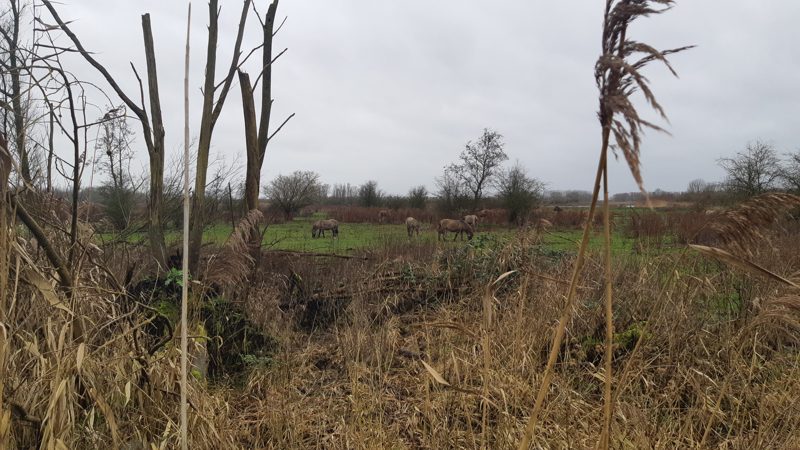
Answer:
[(617, 79)]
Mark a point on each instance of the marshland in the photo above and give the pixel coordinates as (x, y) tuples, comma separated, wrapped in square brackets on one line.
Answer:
[(185, 263)]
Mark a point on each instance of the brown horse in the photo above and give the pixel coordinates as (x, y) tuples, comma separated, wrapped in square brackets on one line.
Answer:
[(472, 220), (454, 226), (383, 215), (320, 226), (412, 226)]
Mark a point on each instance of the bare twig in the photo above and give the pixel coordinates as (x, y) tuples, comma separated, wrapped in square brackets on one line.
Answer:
[(279, 127)]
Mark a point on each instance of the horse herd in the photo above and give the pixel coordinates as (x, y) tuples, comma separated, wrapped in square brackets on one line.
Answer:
[(456, 226)]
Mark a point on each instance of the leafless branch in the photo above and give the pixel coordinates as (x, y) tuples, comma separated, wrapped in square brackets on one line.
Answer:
[(263, 69), (237, 52), (37, 232), (279, 128), (280, 26)]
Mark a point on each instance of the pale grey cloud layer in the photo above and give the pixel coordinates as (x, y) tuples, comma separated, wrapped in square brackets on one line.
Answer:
[(391, 90)]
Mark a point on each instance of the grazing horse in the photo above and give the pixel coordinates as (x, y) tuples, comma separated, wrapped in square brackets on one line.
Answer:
[(383, 215), (543, 225), (319, 227), (472, 220), (412, 226), (454, 226)]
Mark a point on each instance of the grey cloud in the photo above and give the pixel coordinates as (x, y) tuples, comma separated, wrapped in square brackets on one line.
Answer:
[(392, 90)]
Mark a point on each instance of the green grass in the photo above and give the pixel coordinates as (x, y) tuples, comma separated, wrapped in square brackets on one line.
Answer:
[(358, 237), (296, 236), (569, 240)]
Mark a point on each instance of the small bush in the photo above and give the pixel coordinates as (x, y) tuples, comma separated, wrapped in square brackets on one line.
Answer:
[(647, 224), (569, 218)]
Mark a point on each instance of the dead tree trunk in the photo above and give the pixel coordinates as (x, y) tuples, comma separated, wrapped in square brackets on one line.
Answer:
[(5, 251), (153, 137), (257, 137), (155, 150), (5, 171), (197, 221), (50, 148), (14, 69), (210, 114), (254, 156)]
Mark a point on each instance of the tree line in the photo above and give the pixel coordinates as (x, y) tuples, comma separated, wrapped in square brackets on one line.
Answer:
[(465, 186)]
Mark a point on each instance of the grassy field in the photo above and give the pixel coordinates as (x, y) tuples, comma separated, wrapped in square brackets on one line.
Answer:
[(359, 237)]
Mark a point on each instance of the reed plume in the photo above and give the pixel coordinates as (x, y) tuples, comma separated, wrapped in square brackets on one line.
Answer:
[(232, 263), (617, 78), (741, 229)]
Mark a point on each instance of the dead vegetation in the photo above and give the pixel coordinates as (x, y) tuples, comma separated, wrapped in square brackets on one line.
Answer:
[(418, 347)]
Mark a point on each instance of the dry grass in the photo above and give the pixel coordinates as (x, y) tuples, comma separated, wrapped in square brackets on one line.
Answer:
[(741, 228), (233, 264), (569, 218), (363, 383), (719, 357)]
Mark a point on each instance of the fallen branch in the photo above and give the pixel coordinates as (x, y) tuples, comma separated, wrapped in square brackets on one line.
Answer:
[(37, 232)]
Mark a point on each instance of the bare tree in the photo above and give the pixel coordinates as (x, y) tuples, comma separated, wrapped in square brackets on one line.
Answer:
[(152, 128), (697, 191), (753, 171), (257, 135), (71, 105), (30, 69), (221, 172), (369, 195), (14, 64), (290, 193), (790, 174), (211, 111), (519, 192), (418, 196), (118, 194), (451, 192), (343, 194), (479, 163), (696, 186)]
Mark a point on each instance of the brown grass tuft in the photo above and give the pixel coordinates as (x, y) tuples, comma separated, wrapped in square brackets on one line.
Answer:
[(778, 318), (232, 264), (742, 228)]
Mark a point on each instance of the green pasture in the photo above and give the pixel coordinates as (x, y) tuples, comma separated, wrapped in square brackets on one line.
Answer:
[(295, 235)]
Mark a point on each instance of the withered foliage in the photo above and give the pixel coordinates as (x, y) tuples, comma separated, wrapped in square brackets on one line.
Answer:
[(618, 76), (742, 228), (232, 263)]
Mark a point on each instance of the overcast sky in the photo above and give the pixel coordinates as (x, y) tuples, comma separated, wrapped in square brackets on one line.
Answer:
[(392, 91)]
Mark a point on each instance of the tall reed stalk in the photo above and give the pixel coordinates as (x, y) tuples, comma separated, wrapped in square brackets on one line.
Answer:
[(5, 253), (617, 79), (609, 342), (185, 266)]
